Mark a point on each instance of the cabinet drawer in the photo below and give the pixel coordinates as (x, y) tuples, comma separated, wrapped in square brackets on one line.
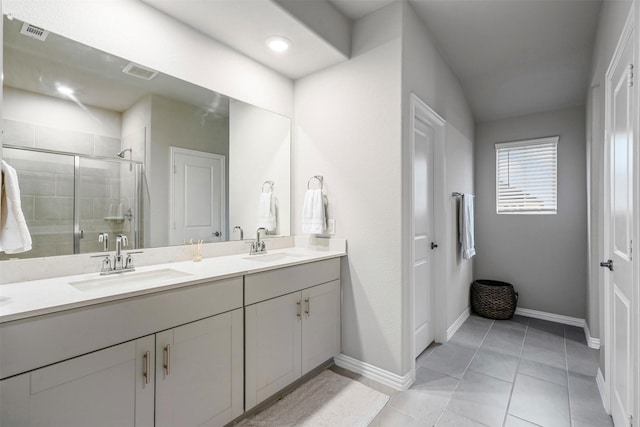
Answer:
[(271, 284), (31, 343)]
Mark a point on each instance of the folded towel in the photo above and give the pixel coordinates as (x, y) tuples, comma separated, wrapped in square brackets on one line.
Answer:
[(313, 215), (467, 239), (14, 234), (267, 211)]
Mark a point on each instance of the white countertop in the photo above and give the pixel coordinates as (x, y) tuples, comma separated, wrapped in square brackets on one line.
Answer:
[(27, 299)]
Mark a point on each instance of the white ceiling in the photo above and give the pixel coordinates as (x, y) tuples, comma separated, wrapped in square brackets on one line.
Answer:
[(512, 57), (95, 76), (245, 26)]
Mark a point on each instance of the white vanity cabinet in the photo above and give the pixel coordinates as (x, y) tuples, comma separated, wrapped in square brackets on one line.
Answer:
[(292, 319), (110, 387), (196, 331), (199, 372)]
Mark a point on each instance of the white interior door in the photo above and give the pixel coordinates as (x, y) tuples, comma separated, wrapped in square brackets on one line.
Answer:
[(423, 137), (197, 196), (620, 140)]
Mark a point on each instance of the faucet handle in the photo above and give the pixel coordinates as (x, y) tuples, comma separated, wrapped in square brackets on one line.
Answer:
[(106, 263), (128, 264)]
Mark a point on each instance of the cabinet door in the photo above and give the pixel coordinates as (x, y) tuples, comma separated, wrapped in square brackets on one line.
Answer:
[(273, 346), (104, 388), (320, 324), (199, 372)]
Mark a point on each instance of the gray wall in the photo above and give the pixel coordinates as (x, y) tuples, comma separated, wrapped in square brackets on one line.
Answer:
[(427, 75), (349, 126), (348, 129), (544, 256)]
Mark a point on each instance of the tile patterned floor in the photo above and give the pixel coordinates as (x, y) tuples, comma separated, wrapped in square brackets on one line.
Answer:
[(512, 373)]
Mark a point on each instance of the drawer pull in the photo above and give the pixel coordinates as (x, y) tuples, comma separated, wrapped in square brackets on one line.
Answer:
[(147, 367), (308, 310), (167, 359), (299, 313)]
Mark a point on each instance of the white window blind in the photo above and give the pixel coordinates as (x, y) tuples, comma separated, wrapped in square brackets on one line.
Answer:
[(527, 176)]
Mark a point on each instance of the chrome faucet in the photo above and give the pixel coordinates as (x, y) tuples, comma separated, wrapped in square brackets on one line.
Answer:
[(237, 227), (258, 247), (120, 264), (104, 239), (121, 241)]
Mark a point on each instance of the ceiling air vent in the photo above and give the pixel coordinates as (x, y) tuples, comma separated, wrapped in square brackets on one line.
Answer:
[(139, 71), (34, 32)]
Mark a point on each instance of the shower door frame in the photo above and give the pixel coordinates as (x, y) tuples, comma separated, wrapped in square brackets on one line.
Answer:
[(78, 233)]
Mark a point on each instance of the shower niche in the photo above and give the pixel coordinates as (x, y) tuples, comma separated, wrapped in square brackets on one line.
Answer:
[(68, 199)]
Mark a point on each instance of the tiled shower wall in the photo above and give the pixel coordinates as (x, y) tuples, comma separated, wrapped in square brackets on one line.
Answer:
[(47, 185)]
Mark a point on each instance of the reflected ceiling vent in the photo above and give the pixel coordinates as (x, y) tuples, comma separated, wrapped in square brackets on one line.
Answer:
[(34, 32), (140, 72)]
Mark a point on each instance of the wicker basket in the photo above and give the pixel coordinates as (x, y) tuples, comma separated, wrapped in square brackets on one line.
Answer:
[(493, 299)]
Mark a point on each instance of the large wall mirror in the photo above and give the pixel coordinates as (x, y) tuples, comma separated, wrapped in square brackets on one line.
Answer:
[(102, 145)]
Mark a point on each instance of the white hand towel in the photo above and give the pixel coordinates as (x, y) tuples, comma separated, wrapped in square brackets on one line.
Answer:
[(14, 234), (267, 211), (467, 239), (313, 219)]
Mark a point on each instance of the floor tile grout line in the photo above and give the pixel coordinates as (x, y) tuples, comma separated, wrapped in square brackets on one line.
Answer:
[(566, 362), (493, 322), (513, 385), (527, 421)]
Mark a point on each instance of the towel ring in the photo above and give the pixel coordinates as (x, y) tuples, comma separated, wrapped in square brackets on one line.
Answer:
[(270, 183), (320, 179)]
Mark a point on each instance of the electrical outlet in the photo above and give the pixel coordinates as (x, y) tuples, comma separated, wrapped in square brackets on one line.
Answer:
[(331, 227)]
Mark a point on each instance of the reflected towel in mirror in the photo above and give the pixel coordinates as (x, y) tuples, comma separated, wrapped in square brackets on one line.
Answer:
[(14, 234), (267, 211)]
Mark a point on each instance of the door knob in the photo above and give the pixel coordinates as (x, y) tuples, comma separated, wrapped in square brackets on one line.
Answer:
[(433, 245), (217, 234), (608, 264)]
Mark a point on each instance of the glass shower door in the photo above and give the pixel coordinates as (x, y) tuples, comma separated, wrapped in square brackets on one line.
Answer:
[(46, 182), (107, 202)]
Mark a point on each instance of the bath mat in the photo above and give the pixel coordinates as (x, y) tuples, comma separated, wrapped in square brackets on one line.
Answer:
[(327, 399)]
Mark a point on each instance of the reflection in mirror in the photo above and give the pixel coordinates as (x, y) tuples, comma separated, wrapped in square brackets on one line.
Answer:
[(102, 145)]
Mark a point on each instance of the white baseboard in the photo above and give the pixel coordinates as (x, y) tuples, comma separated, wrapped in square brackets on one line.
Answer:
[(601, 389), (565, 320), (551, 317), (451, 330), (591, 342), (387, 378)]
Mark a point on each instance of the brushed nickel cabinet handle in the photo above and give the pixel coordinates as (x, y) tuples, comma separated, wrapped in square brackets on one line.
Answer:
[(308, 310), (167, 358), (147, 367), (299, 313)]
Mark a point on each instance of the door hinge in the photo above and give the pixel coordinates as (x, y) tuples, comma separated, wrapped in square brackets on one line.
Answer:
[(630, 80), (174, 169), (174, 225)]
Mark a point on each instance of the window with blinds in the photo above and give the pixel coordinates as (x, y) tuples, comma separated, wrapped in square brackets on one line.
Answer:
[(527, 176)]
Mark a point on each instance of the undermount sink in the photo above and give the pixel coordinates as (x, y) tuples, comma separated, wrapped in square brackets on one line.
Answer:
[(129, 280), (272, 257)]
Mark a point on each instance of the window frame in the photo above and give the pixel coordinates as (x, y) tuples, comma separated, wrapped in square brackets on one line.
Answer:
[(519, 144)]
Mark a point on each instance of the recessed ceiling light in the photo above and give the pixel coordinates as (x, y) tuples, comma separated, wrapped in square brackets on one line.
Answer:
[(65, 90), (278, 43)]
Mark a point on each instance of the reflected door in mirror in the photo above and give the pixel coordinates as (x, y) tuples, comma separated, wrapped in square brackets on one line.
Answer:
[(197, 196)]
